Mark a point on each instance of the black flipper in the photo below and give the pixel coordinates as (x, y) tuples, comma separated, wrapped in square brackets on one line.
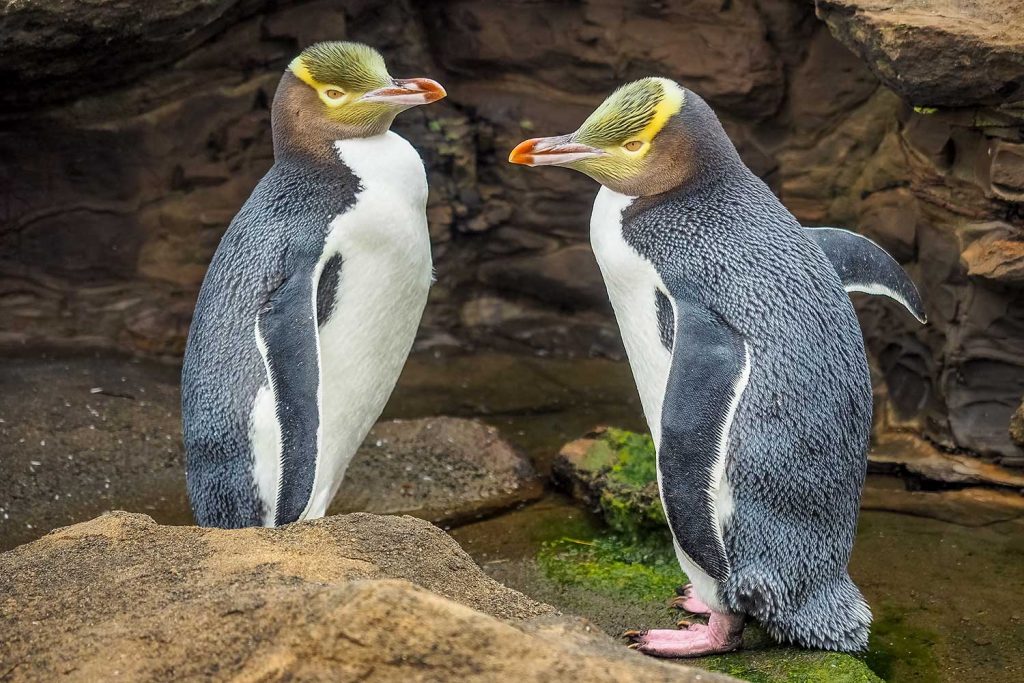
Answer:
[(288, 333), (863, 266), (710, 367)]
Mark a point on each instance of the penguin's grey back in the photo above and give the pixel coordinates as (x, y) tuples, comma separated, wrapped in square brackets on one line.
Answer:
[(283, 222), (797, 445)]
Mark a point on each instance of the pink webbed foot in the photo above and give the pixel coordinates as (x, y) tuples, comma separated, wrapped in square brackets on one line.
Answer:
[(723, 633), (688, 601)]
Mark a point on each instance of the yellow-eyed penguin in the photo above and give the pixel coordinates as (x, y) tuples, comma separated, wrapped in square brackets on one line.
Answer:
[(311, 303), (749, 362)]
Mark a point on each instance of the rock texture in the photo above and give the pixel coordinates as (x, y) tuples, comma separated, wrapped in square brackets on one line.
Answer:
[(121, 165), (355, 597), (441, 469), (914, 47), (81, 435)]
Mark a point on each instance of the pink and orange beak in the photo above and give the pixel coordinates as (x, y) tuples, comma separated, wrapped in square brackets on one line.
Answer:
[(407, 92), (554, 151)]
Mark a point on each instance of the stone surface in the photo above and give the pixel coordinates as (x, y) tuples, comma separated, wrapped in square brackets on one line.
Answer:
[(612, 470), (121, 165), (971, 507), (912, 455), (441, 469), (1017, 426), (937, 52), (81, 434), (355, 597)]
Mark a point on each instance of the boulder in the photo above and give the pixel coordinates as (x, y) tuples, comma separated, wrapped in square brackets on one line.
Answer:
[(613, 471), (354, 597), (442, 469), (934, 52), (55, 50)]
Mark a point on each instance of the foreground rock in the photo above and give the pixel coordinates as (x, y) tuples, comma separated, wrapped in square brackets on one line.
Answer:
[(935, 52), (355, 597), (442, 469)]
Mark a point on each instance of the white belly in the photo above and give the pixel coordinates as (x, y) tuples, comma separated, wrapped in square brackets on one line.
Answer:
[(632, 281), (385, 277)]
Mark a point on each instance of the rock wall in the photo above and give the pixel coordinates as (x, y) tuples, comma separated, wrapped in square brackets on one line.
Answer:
[(131, 135)]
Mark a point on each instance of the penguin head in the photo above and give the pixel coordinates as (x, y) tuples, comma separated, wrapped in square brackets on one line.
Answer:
[(345, 89), (648, 137)]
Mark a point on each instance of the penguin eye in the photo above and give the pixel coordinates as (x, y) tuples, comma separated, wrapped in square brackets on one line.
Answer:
[(334, 93), (633, 145)]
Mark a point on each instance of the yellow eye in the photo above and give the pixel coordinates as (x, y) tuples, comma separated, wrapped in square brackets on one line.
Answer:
[(633, 145), (334, 94)]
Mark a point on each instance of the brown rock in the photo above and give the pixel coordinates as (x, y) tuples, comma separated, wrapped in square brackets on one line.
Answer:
[(1017, 426), (442, 469), (972, 506), (56, 50), (328, 600), (916, 456), (997, 255), (934, 52), (568, 275)]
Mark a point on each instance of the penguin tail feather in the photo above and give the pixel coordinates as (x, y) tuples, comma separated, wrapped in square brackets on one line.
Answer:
[(834, 617)]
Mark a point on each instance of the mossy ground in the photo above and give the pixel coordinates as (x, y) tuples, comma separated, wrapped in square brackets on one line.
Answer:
[(633, 563)]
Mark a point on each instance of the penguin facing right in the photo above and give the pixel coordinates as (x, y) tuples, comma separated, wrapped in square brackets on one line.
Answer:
[(313, 298), (749, 361)]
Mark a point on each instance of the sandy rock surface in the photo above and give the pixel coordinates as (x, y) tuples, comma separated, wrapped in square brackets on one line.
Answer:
[(353, 597)]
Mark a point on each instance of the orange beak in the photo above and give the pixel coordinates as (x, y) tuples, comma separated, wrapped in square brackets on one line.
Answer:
[(554, 151), (407, 92)]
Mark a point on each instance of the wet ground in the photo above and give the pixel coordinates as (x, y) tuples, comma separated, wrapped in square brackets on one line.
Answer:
[(84, 434)]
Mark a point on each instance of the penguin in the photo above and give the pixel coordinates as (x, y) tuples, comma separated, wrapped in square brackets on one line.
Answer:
[(749, 361), (310, 305)]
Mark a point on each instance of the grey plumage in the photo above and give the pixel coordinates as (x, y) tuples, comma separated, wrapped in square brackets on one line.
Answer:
[(275, 239), (797, 446)]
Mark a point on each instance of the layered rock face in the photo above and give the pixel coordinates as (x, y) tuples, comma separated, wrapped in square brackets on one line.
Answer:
[(132, 136)]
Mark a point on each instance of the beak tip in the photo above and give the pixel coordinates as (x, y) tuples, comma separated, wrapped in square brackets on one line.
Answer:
[(523, 153)]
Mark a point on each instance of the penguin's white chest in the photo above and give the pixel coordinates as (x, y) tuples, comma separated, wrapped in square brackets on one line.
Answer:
[(385, 276), (632, 283)]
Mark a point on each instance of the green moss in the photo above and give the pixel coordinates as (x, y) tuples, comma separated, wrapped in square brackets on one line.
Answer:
[(635, 464), (791, 665), (624, 465), (893, 640), (615, 565), (600, 456)]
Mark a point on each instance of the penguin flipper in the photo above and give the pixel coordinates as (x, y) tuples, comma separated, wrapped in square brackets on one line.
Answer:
[(709, 371), (863, 266), (287, 335)]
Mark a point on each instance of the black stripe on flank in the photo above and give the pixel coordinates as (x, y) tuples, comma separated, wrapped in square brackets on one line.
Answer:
[(327, 288), (288, 329), (707, 363), (666, 319)]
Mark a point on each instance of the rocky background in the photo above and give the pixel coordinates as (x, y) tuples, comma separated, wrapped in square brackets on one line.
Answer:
[(131, 133)]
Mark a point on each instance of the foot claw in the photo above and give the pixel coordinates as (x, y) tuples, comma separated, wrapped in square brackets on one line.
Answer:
[(633, 646), (633, 633), (684, 623)]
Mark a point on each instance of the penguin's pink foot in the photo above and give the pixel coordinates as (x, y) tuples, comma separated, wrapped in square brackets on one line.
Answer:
[(723, 633), (688, 601)]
